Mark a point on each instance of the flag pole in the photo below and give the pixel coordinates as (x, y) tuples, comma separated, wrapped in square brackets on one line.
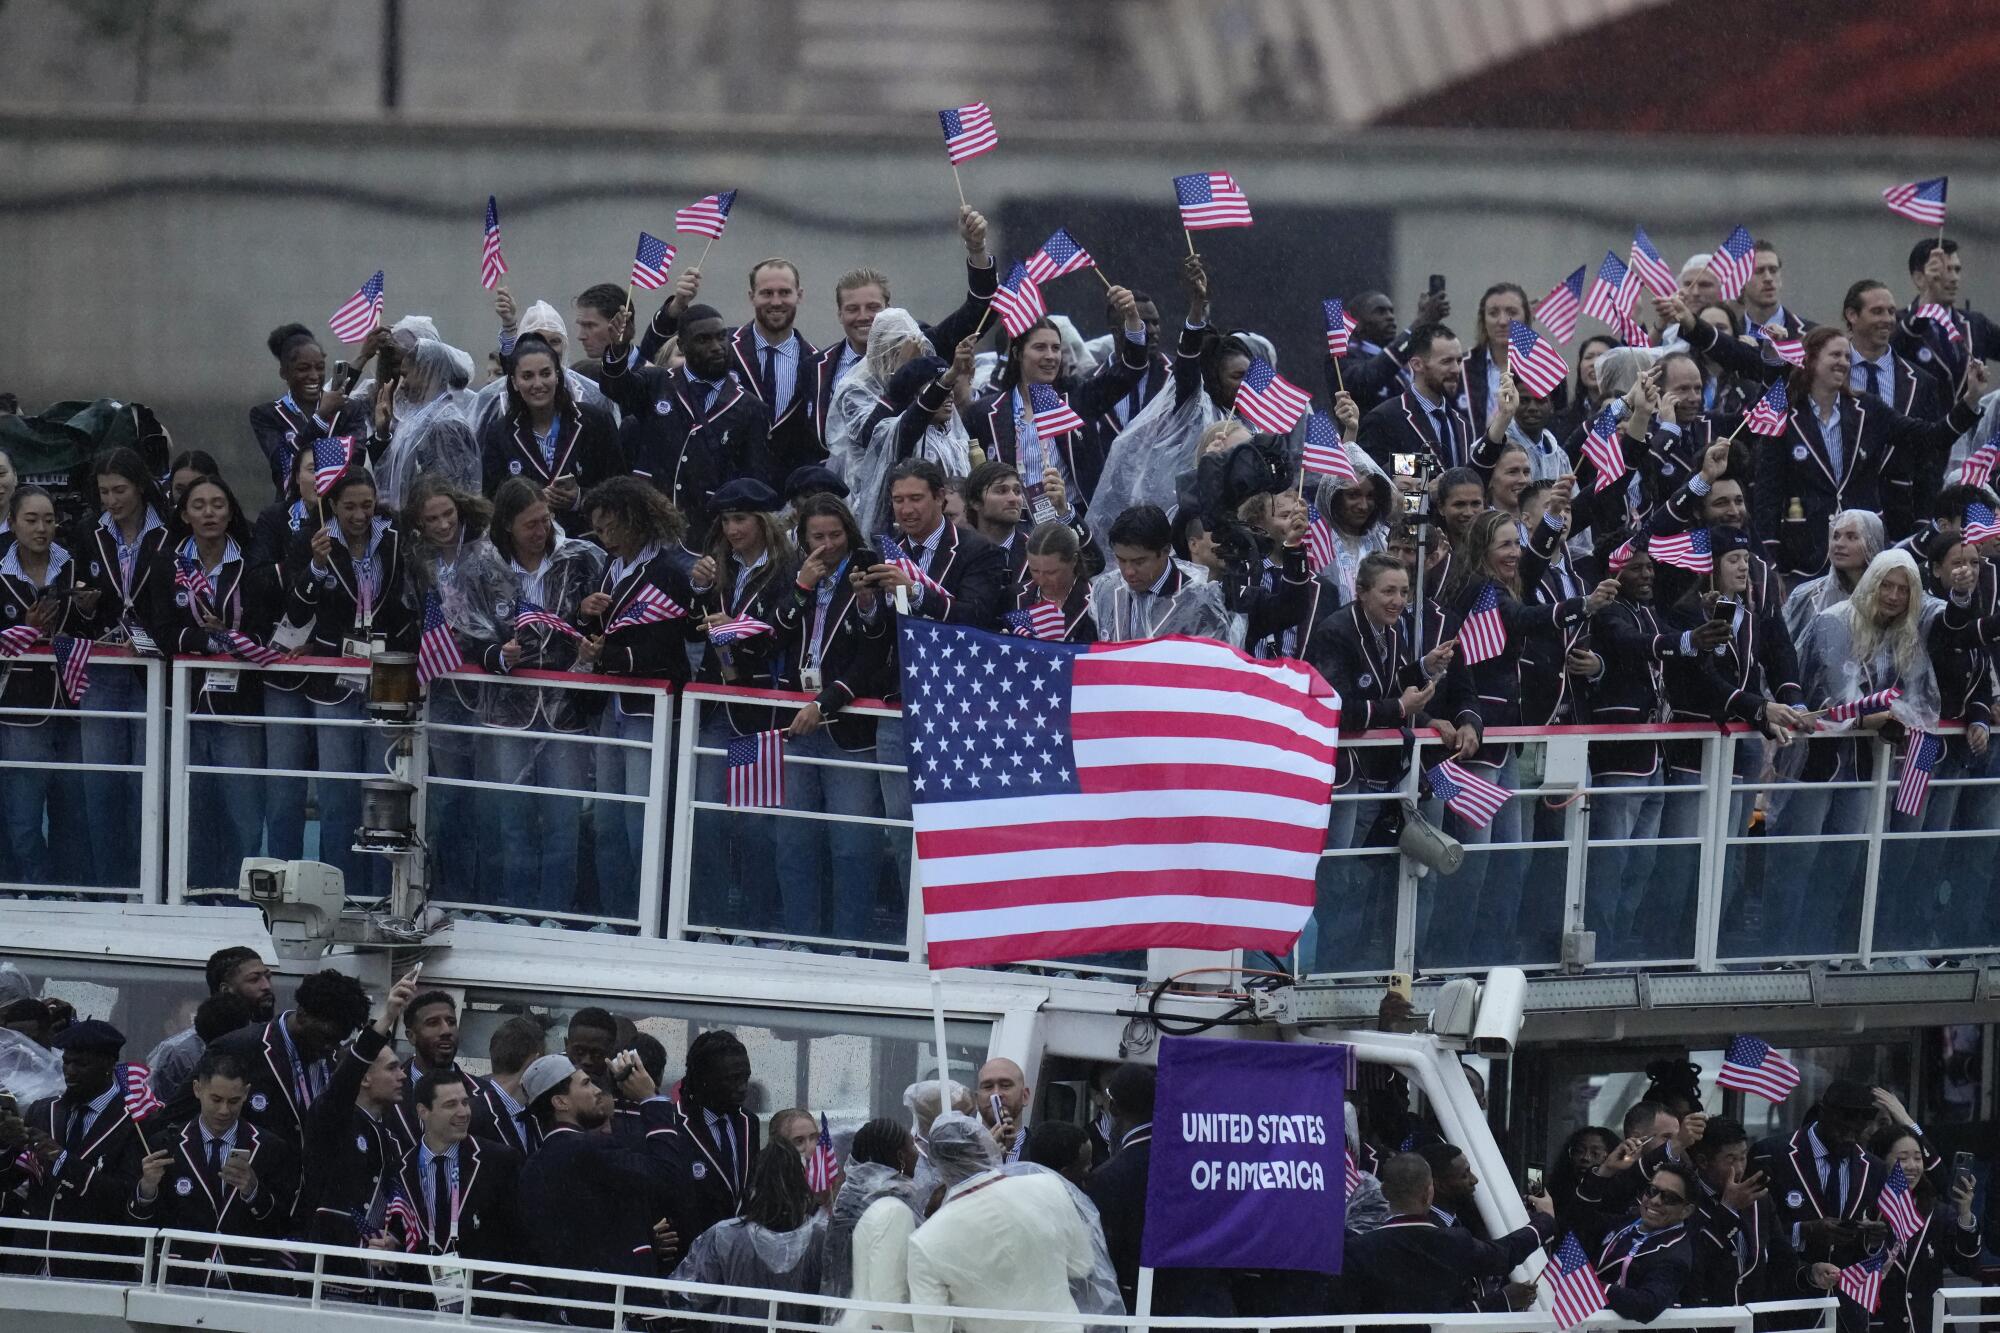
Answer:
[(703, 256), (978, 328), (937, 1035), (1190, 240), (1100, 277), (961, 186)]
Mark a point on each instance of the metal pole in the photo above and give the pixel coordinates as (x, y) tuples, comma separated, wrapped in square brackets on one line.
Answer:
[(1143, 1302), (177, 844), (681, 863), (392, 54), (1878, 824), (152, 805)]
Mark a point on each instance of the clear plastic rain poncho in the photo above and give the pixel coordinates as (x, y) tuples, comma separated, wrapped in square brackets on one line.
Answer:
[(862, 1187), (431, 428), (740, 1253), (474, 583), (861, 421), (29, 1072), (569, 574), (921, 1100), (545, 320), (1350, 551), (1197, 610), (965, 1153), (1829, 669)]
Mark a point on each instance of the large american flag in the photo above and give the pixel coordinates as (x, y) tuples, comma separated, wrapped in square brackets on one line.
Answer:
[(1071, 799), (757, 770), (1862, 1282), (1602, 446), (1019, 301), (822, 1166), (650, 264), (1059, 254), (1575, 1291), (1043, 620), (1919, 201), (1750, 1065), (1898, 1204), (1325, 452), (1319, 539), (1925, 749), (968, 132), (1611, 291), (1339, 326), (1210, 199), (363, 311), (1690, 550), (1558, 310), (437, 650), (1768, 417), (1269, 401), (331, 456), (1537, 365), (706, 216), (491, 263), (1483, 635), (1733, 262), (1651, 268), (1053, 415), (1466, 794), (73, 664)]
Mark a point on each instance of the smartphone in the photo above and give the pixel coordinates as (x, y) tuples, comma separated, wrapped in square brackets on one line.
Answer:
[(1405, 464), (1534, 1174), (239, 1157), (999, 1112), (1961, 1166), (1413, 505), (1437, 283), (344, 376), (1399, 984), (1726, 609)]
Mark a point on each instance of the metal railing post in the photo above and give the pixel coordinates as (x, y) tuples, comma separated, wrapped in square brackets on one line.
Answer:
[(654, 829), (1878, 821), (1576, 861), (1718, 778), (681, 869), (152, 794), (177, 819)]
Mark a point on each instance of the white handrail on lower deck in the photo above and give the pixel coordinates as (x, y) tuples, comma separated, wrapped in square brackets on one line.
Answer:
[(157, 1285), (1973, 1297)]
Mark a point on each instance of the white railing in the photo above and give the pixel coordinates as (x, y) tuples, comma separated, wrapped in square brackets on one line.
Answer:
[(1585, 854), (161, 1286), (67, 765), (1964, 1307)]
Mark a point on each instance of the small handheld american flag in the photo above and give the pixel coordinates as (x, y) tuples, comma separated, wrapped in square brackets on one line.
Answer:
[(1558, 310), (1898, 1205), (1269, 401), (1339, 327), (491, 263), (757, 770), (1019, 301), (1612, 291), (822, 1166), (331, 456), (1602, 447), (1466, 794), (1750, 1065), (1633, 332), (1059, 254), (1791, 351), (1733, 262), (1575, 1292), (1353, 1174), (706, 216), (1053, 415), (1538, 366), (136, 1081), (1044, 620), (742, 627), (649, 606), (363, 311), (1919, 201), (1210, 199), (1319, 539), (1980, 524), (1690, 550), (1773, 410), (968, 132), (1483, 634), (17, 639), (73, 665), (437, 650), (1866, 704), (650, 264), (1325, 453), (1651, 268), (530, 616), (1941, 316), (401, 1211), (1924, 751), (241, 645), (1862, 1282)]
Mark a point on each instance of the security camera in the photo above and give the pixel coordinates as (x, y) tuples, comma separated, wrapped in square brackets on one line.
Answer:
[(300, 900), (1502, 1002)]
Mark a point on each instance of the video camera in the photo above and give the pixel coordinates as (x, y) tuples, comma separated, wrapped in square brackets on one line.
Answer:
[(1223, 481)]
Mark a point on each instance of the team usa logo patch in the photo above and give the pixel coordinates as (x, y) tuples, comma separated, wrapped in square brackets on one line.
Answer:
[(183, 1187), (663, 406), (699, 1171), (1795, 1199), (514, 466), (1799, 453), (361, 1143), (258, 1101)]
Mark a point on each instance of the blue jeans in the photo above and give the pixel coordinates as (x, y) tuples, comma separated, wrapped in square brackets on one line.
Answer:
[(1616, 878), (1935, 893), (1462, 919), (291, 747), (620, 833), (111, 800), (1813, 897), (827, 870), (349, 750), (733, 849), (30, 794), (458, 821), (539, 831), (225, 811)]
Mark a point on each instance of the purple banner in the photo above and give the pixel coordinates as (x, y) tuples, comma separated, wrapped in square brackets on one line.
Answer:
[(1249, 1153)]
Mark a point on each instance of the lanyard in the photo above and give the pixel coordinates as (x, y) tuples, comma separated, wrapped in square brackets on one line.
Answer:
[(823, 596), (450, 1240)]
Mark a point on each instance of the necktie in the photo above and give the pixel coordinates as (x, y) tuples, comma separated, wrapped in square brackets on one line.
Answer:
[(440, 1202), (1869, 369), (215, 1160), (73, 1135), (767, 382), (530, 1130), (1446, 445), (725, 1139)]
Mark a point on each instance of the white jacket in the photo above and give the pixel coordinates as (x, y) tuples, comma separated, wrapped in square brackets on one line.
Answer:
[(1002, 1243), (882, 1264)]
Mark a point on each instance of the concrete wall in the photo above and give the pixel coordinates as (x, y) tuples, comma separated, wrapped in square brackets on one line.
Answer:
[(147, 258)]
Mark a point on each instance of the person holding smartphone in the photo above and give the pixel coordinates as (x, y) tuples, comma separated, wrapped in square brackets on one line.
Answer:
[(1950, 1238)]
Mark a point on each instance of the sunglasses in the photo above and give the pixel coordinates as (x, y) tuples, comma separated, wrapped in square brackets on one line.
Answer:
[(1667, 1197)]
